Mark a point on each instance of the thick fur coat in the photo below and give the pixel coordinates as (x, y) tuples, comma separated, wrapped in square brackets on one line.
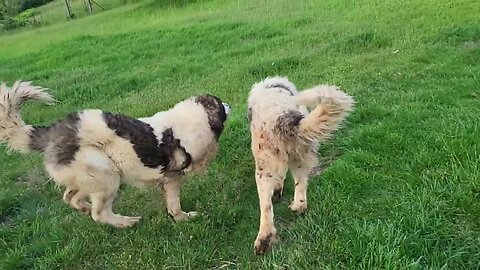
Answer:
[(91, 152), (285, 136)]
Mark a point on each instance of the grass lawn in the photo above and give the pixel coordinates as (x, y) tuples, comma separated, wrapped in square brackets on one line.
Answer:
[(401, 185)]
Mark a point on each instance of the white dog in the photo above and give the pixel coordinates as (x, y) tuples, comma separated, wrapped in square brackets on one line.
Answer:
[(91, 151), (286, 136)]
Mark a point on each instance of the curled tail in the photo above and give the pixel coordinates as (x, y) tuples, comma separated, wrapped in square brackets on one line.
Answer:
[(13, 131), (330, 108)]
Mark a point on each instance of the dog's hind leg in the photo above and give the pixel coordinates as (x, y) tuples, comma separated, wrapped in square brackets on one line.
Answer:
[(72, 195), (76, 199), (301, 172), (102, 204), (97, 176), (268, 173), (172, 197), (78, 202), (68, 195)]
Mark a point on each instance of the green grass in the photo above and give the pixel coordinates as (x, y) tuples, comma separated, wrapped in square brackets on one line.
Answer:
[(402, 191)]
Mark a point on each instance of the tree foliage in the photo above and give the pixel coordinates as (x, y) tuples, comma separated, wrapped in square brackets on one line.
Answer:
[(27, 4), (16, 13)]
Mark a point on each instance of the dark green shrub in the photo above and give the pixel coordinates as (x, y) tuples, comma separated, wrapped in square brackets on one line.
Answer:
[(27, 4), (25, 18)]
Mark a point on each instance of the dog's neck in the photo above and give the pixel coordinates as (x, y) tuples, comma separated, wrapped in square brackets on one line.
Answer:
[(283, 87)]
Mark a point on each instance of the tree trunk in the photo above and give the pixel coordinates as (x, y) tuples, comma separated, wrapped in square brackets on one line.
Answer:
[(69, 9), (88, 4)]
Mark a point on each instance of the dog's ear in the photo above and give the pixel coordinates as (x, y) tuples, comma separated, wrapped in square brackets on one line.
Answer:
[(216, 112)]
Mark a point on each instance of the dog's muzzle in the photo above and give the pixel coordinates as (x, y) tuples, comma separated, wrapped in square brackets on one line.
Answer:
[(226, 107)]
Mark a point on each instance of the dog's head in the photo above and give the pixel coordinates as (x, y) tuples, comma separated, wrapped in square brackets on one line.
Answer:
[(216, 110)]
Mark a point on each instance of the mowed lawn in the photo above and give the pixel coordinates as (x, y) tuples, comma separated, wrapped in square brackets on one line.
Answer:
[(401, 182)]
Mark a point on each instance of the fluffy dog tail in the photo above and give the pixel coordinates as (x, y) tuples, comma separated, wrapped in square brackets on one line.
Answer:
[(13, 131), (330, 108)]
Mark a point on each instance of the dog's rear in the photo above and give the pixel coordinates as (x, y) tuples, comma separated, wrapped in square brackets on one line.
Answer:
[(286, 136)]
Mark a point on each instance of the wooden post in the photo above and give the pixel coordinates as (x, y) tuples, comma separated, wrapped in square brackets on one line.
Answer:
[(93, 1), (69, 9), (88, 4)]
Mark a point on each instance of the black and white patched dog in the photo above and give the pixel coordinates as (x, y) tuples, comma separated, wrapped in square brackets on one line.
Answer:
[(90, 152)]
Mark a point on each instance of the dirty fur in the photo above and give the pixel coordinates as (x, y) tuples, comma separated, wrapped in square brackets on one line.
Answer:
[(285, 136), (90, 152)]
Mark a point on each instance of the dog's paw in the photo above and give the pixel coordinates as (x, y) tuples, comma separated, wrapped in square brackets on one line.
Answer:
[(263, 244), (119, 221), (298, 207), (184, 216)]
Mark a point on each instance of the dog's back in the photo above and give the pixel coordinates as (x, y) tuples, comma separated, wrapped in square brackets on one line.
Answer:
[(278, 114)]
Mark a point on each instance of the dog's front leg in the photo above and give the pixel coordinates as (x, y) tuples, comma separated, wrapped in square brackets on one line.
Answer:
[(172, 197)]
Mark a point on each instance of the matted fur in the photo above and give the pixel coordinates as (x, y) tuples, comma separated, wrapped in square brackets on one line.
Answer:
[(285, 136), (91, 152)]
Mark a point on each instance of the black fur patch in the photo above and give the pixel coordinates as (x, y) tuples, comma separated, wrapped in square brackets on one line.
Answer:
[(284, 87), (61, 138), (249, 114), (151, 152), (39, 138), (141, 135), (288, 122), (171, 144), (66, 141), (216, 113)]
